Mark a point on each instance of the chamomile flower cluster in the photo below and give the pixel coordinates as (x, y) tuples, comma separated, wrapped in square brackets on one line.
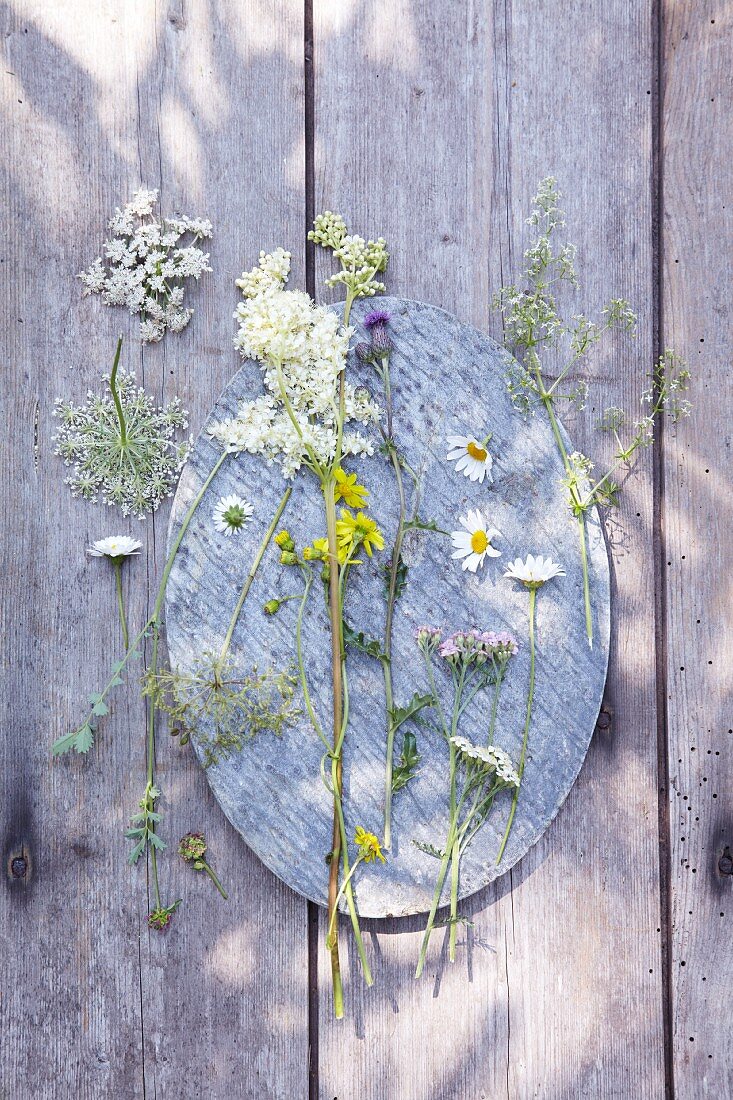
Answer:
[(487, 757), (360, 260), (146, 263), (302, 350), (132, 463)]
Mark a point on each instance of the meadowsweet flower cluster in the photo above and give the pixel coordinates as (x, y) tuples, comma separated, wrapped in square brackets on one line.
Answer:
[(121, 446), (488, 756), (302, 350), (147, 265), (360, 260)]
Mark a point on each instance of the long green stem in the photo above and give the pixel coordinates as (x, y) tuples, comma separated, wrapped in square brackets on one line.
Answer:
[(116, 396), (455, 866), (435, 903), (527, 721), (340, 894), (579, 510), (253, 572), (155, 622), (121, 604)]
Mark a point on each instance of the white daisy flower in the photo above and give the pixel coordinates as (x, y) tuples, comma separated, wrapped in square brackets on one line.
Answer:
[(115, 547), (534, 572), (474, 543), (472, 458), (231, 513)]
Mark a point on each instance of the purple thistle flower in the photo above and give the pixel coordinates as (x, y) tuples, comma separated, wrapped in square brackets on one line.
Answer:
[(377, 317)]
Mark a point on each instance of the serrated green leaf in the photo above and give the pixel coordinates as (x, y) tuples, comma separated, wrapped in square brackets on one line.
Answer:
[(134, 833), (136, 852), (115, 682), (94, 696), (418, 524), (429, 849), (100, 708), (400, 715), (409, 759), (156, 841), (64, 744), (84, 739), (359, 640)]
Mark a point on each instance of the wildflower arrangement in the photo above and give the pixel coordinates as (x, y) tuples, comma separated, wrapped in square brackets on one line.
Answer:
[(147, 265), (540, 338), (311, 421)]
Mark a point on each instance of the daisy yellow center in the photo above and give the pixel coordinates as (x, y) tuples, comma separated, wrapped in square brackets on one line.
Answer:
[(479, 453), (479, 542)]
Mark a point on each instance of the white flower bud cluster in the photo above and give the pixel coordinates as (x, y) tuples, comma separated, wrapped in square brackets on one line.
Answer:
[(360, 260), (492, 758), (147, 265), (302, 350)]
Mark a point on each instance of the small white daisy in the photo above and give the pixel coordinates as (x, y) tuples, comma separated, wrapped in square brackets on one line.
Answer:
[(115, 547), (534, 572), (474, 543), (472, 458), (231, 513)]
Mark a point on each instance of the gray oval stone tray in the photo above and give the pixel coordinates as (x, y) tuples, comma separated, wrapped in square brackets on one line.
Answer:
[(448, 378)]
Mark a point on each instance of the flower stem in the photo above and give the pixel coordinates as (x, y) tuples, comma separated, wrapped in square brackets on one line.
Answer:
[(116, 396), (253, 572), (121, 604), (336, 762), (527, 721), (436, 902), (455, 865), (214, 878)]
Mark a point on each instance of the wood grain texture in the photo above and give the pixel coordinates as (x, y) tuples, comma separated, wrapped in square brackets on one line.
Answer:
[(469, 107), (205, 102), (697, 274)]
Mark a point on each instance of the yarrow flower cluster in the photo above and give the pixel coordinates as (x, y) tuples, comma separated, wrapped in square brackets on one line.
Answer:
[(148, 265), (121, 446), (493, 758), (476, 647), (302, 350), (360, 260)]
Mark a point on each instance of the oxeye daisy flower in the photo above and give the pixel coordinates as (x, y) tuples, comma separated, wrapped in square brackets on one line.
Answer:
[(473, 544), (359, 530), (231, 514), (534, 571), (347, 489), (472, 458), (116, 547)]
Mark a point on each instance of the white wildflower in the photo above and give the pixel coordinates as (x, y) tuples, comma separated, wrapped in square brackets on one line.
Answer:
[(473, 543), (534, 571), (495, 759), (147, 266), (231, 513), (115, 547), (472, 458)]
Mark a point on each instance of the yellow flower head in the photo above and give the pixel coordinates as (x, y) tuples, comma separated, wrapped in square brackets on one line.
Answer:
[(368, 845), (284, 540), (319, 552), (346, 489), (359, 530)]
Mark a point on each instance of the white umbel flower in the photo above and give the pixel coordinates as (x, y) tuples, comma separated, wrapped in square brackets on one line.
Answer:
[(231, 514), (472, 458), (534, 571), (115, 547), (473, 544)]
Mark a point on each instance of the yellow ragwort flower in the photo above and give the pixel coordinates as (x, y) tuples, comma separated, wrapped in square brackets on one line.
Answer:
[(319, 552), (359, 530), (368, 845), (284, 540), (346, 489)]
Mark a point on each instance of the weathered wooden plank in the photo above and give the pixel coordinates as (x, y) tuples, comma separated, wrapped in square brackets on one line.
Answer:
[(697, 230), (205, 102), (559, 990)]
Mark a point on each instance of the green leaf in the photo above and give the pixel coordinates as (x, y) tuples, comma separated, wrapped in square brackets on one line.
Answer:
[(400, 715), (418, 524), (429, 849), (407, 766), (136, 852), (64, 744), (115, 682), (156, 841), (94, 696), (359, 640), (84, 738), (100, 708)]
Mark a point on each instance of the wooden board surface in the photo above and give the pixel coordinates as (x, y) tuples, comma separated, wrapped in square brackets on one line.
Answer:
[(697, 261), (100, 99), (430, 123)]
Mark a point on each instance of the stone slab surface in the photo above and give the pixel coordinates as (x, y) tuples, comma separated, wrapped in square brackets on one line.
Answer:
[(448, 378)]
